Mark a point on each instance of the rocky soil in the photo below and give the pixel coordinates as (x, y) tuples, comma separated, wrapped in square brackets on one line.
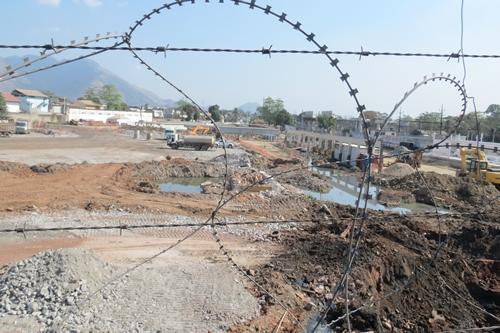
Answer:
[(56, 289), (395, 267), (448, 191)]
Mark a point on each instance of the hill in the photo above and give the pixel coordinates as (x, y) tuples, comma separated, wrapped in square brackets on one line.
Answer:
[(73, 79)]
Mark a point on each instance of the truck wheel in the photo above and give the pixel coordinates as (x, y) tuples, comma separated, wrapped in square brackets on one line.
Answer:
[(230, 146)]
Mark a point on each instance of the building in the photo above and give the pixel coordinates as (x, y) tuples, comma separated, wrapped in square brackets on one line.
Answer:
[(158, 113), (12, 102), (307, 121), (87, 104), (32, 101), (108, 116)]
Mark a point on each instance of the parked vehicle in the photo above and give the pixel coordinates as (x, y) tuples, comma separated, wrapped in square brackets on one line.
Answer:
[(220, 144), (198, 142), (7, 127), (171, 135), (22, 127)]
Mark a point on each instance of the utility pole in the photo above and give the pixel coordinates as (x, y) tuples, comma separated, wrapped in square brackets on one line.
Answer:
[(441, 121), (399, 122)]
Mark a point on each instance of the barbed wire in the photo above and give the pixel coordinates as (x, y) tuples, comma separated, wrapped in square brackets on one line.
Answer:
[(53, 50), (361, 211), (264, 51)]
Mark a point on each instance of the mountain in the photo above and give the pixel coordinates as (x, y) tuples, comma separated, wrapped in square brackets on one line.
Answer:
[(72, 80), (249, 107)]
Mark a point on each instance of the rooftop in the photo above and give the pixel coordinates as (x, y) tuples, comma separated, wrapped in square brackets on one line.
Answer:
[(28, 93), (9, 98)]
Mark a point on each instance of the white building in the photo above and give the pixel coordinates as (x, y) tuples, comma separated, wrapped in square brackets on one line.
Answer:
[(32, 101), (12, 102), (105, 116)]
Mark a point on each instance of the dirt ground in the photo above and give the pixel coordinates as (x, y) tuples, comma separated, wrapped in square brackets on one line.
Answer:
[(417, 273), (90, 145)]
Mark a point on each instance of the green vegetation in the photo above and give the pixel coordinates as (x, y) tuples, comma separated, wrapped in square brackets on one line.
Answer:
[(273, 112), (215, 112), (326, 121), (3, 108), (189, 110), (107, 95)]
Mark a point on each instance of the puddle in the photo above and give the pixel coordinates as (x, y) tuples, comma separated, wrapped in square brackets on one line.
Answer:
[(345, 192), (184, 185), (322, 328)]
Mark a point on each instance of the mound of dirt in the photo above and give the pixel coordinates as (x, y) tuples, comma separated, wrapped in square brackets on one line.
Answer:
[(394, 265), (156, 171), (307, 180), (448, 191), (49, 168), (398, 170), (15, 168)]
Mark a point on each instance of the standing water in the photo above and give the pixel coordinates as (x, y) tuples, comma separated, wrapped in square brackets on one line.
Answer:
[(184, 185), (345, 191)]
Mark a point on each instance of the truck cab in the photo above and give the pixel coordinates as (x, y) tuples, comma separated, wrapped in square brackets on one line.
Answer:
[(22, 127), (171, 135)]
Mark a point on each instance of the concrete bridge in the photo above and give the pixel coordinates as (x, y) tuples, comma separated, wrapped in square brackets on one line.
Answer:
[(339, 148)]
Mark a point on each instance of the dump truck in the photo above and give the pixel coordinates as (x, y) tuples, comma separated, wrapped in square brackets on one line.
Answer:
[(7, 127), (198, 142)]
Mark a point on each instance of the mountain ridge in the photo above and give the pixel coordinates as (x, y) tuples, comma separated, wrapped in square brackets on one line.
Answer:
[(73, 79)]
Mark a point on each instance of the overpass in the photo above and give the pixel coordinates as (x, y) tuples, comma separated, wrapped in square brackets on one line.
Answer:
[(339, 148)]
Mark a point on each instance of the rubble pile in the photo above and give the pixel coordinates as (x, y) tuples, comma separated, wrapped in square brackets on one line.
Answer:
[(307, 180), (396, 254), (48, 286), (159, 170), (398, 170), (447, 191)]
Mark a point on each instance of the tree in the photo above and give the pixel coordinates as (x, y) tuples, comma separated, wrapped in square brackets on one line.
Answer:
[(92, 94), (326, 121), (3, 108), (110, 96), (107, 95), (429, 120), (270, 109), (282, 118), (493, 122), (273, 112), (215, 112), (189, 110)]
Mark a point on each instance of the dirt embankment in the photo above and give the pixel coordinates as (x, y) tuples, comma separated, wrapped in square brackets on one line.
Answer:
[(461, 193), (394, 267), (101, 186)]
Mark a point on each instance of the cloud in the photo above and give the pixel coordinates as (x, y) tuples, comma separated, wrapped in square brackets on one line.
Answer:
[(53, 3), (91, 3)]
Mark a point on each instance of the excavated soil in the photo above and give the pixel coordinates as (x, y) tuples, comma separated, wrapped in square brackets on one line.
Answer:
[(461, 193), (414, 273), (395, 272)]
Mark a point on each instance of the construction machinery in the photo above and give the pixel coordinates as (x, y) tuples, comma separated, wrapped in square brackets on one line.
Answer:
[(201, 130), (474, 163), (408, 156)]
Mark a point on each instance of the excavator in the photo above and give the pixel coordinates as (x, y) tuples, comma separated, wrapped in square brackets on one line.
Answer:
[(474, 163), (408, 156), (201, 130)]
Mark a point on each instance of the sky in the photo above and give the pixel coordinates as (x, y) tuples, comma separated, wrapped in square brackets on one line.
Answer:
[(304, 82)]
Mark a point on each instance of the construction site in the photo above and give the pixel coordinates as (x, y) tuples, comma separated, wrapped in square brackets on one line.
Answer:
[(77, 213), (192, 224)]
